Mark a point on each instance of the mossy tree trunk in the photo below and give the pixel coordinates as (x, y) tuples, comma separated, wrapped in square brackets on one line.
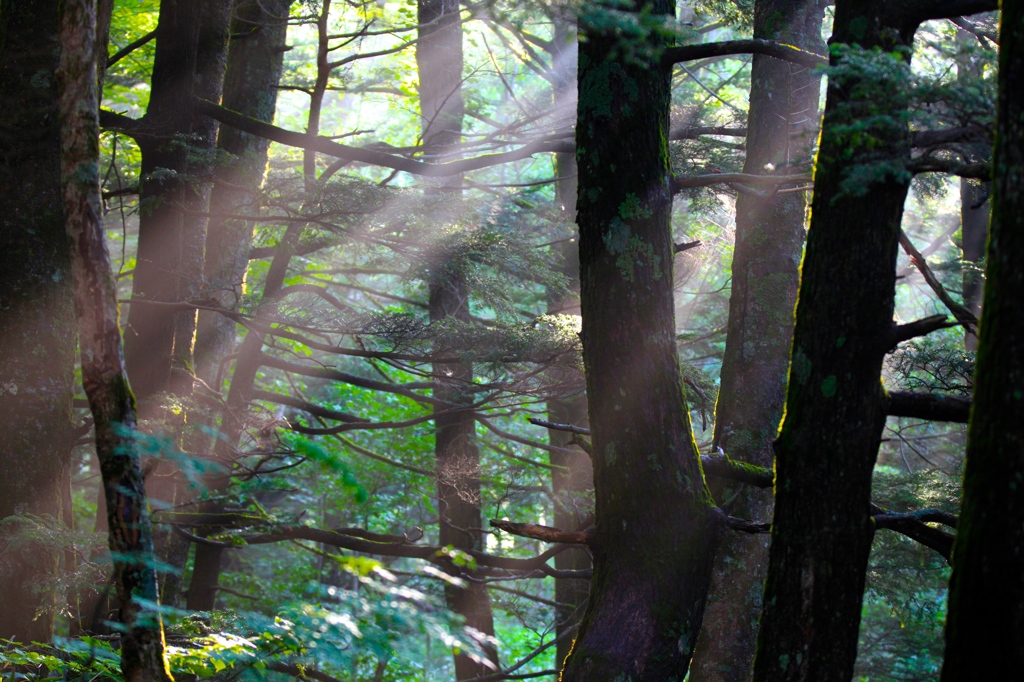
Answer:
[(439, 63), (782, 129), (826, 450), (656, 526), (985, 627), (103, 376), (37, 324)]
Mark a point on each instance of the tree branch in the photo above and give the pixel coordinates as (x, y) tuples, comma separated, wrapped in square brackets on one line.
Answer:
[(543, 533), (368, 156), (129, 48), (789, 53), (964, 316), (931, 406), (719, 466), (688, 182), (925, 10), (923, 327), (929, 164), (915, 529)]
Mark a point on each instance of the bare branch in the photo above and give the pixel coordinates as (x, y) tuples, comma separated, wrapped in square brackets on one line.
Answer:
[(542, 533), (923, 327), (932, 406), (789, 53), (964, 316)]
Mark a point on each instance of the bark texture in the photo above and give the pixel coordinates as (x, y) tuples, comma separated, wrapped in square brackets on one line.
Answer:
[(37, 337), (826, 449), (202, 590), (985, 627), (974, 207), (191, 48), (250, 87), (781, 130), (103, 376), (656, 528)]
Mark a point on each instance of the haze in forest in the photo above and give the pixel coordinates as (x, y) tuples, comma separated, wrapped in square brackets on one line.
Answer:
[(578, 341)]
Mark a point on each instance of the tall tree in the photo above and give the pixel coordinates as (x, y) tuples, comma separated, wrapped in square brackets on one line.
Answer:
[(191, 48), (37, 338), (974, 205), (835, 409), (103, 376), (656, 527), (782, 128), (985, 627), (254, 64), (439, 62)]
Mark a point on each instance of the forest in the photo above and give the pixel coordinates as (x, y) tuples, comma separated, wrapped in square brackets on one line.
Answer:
[(576, 340)]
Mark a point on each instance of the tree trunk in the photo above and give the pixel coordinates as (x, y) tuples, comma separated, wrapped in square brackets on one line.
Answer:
[(103, 376), (573, 484), (439, 64), (37, 323), (191, 48), (250, 87), (826, 450), (253, 70), (974, 209), (985, 627), (656, 526), (781, 131), (202, 591)]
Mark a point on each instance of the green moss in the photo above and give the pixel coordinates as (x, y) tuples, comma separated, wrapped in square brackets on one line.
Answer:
[(828, 387), (636, 253), (800, 368)]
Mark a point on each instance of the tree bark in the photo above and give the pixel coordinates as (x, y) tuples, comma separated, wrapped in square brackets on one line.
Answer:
[(202, 590), (254, 64), (985, 626), (656, 527), (191, 48), (439, 64), (253, 70), (103, 376), (782, 129), (826, 449), (37, 323), (974, 210)]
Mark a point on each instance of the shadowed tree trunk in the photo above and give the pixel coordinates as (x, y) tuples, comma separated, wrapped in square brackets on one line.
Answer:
[(254, 64), (656, 527), (974, 209), (202, 590), (985, 627), (250, 87), (177, 146), (439, 64), (826, 450), (782, 129), (103, 376), (191, 48), (37, 337)]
